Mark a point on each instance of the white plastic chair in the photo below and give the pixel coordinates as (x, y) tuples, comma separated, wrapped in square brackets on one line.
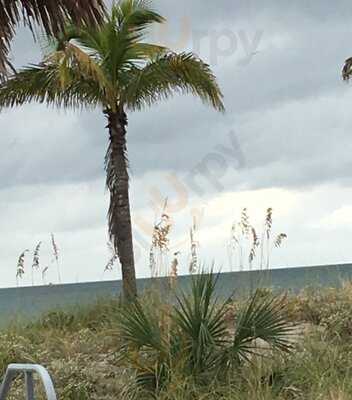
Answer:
[(28, 370)]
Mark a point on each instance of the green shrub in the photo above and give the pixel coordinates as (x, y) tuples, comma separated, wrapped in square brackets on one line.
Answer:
[(192, 339)]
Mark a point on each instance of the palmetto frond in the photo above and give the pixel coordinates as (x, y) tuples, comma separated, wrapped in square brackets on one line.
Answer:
[(140, 328), (141, 331), (264, 318), (51, 14), (201, 320)]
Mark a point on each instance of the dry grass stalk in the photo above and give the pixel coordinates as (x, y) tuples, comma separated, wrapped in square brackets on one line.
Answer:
[(44, 271), (279, 239), (56, 256), (245, 224), (244, 238), (268, 222), (36, 256), (194, 263), (160, 244), (36, 260), (174, 270), (255, 245), (240, 233), (55, 248), (20, 271), (235, 244)]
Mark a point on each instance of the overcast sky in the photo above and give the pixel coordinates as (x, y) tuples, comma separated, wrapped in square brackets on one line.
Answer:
[(284, 142)]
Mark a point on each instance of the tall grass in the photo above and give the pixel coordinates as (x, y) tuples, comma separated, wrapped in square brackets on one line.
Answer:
[(247, 245), (20, 269), (194, 265), (159, 249), (80, 349), (36, 260), (55, 249), (36, 263)]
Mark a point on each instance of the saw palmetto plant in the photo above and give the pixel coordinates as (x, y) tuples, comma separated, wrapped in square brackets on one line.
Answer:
[(111, 67), (51, 15), (195, 340)]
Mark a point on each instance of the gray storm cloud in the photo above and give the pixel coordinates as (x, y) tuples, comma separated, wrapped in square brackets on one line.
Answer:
[(279, 67)]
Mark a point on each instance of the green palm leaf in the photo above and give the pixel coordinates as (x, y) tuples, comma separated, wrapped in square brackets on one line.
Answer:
[(264, 318), (146, 345), (140, 328), (197, 341), (170, 73), (201, 321), (52, 15)]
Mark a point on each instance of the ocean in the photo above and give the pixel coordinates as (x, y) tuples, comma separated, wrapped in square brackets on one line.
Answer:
[(28, 303)]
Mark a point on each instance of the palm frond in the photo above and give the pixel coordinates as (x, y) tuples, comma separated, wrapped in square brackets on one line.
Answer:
[(123, 33), (144, 52), (134, 15), (169, 74), (264, 318), (141, 332), (110, 64), (201, 320), (74, 64), (140, 328), (117, 43), (50, 14), (51, 84)]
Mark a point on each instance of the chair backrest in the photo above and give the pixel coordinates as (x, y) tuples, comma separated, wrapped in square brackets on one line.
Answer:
[(28, 370)]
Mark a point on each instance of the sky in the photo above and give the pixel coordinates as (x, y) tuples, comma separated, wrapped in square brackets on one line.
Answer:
[(284, 142)]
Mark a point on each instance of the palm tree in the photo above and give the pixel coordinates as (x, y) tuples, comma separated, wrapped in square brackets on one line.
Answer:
[(50, 14), (112, 67)]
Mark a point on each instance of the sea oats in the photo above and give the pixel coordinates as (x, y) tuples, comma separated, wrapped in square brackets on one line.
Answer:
[(20, 270), (159, 248), (56, 256)]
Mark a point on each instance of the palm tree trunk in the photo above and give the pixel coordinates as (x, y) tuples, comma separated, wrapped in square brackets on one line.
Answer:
[(117, 181)]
